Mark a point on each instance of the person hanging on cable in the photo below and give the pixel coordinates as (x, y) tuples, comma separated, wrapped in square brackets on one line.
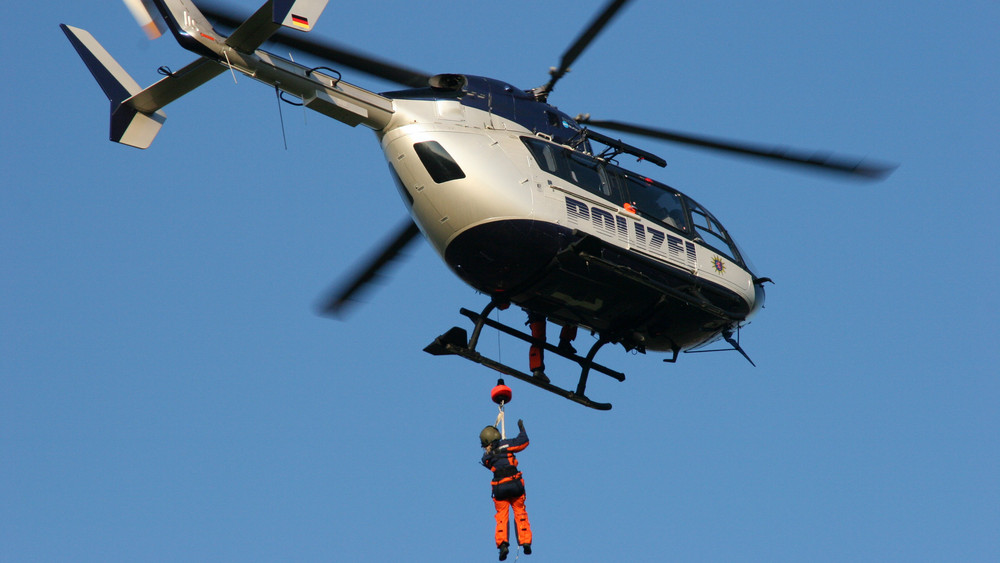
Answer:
[(508, 485)]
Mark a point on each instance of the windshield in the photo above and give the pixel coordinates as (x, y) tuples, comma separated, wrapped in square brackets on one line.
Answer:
[(654, 200), (710, 232)]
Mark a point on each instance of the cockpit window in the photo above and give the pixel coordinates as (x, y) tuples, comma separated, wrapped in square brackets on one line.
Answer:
[(439, 164), (655, 200), (711, 232), (587, 173)]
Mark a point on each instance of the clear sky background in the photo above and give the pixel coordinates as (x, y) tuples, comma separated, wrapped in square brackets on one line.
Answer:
[(167, 392)]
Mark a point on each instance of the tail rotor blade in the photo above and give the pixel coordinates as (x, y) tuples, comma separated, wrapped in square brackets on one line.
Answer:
[(148, 17)]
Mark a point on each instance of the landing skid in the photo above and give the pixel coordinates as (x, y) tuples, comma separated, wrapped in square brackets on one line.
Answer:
[(456, 342)]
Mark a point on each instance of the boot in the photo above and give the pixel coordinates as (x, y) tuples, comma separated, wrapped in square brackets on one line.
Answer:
[(504, 550), (566, 348), (539, 374)]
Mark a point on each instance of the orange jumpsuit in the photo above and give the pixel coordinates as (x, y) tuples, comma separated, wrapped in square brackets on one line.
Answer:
[(536, 354), (508, 487)]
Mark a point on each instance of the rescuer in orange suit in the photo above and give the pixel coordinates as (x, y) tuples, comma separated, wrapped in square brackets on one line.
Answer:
[(536, 354), (508, 485)]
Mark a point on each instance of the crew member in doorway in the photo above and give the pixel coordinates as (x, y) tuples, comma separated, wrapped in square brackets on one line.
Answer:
[(536, 354), (508, 485)]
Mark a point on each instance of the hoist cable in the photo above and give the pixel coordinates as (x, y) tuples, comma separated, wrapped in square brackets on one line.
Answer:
[(500, 423), (499, 350)]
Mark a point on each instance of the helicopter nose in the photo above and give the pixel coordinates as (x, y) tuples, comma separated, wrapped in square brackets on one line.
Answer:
[(758, 295)]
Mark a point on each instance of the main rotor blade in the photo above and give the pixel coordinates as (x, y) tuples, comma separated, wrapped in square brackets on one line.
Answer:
[(581, 43), (340, 55), (338, 300), (816, 160)]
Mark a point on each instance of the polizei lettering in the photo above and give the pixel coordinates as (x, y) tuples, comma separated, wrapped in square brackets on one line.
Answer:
[(631, 232)]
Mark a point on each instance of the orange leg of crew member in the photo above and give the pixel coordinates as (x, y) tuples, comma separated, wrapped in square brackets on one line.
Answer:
[(520, 518), (536, 353), (567, 335)]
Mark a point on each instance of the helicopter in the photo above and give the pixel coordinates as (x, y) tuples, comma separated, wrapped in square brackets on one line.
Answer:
[(524, 203)]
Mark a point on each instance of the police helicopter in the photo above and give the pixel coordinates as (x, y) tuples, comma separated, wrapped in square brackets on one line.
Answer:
[(524, 203)]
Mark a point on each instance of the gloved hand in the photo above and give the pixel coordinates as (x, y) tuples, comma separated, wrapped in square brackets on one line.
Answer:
[(520, 424)]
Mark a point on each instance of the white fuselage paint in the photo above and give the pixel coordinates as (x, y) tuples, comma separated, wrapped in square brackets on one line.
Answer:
[(503, 182)]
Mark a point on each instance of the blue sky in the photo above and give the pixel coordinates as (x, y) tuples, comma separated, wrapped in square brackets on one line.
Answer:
[(169, 394)]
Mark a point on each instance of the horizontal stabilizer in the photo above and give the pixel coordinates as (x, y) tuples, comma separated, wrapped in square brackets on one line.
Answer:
[(175, 85), (129, 126)]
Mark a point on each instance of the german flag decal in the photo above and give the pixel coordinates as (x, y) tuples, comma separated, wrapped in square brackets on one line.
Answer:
[(300, 21)]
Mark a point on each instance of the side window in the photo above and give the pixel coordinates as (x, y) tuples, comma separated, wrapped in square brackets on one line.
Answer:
[(549, 160), (439, 164), (676, 218), (656, 202), (587, 174), (548, 156), (574, 167)]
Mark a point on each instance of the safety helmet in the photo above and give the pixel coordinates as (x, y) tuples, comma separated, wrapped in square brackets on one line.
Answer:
[(489, 435)]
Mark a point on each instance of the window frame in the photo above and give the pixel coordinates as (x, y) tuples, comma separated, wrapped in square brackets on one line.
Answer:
[(714, 230)]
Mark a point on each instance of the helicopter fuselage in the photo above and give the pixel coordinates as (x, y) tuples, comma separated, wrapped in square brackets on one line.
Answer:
[(518, 213), (505, 187)]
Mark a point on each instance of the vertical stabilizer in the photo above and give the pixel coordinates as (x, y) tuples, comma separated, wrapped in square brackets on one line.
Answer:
[(298, 14), (129, 126)]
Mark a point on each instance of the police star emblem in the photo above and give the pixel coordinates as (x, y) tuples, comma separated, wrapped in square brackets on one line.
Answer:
[(719, 265)]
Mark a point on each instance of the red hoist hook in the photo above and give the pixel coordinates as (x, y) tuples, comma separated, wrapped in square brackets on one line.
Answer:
[(501, 395)]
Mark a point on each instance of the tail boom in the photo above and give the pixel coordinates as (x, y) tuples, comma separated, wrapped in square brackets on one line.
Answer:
[(136, 112)]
